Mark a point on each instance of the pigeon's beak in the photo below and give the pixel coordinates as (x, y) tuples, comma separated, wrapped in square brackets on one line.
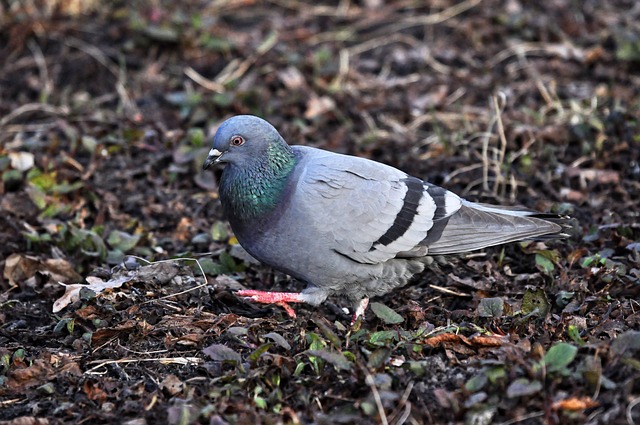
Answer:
[(213, 158)]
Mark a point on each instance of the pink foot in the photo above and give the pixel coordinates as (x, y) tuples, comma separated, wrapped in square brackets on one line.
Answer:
[(360, 309), (278, 298)]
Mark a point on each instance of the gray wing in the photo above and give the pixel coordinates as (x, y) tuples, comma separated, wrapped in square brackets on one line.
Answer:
[(371, 212), (476, 226)]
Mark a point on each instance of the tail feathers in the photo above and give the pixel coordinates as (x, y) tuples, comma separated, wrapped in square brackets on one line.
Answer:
[(477, 226)]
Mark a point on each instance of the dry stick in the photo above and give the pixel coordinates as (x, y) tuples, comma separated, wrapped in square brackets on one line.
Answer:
[(596, 392), (101, 58), (234, 69), (20, 128), (523, 418), (162, 360), (630, 407), (485, 157), (315, 11), (343, 70), (204, 82), (34, 107), (380, 42), (503, 142), (448, 291), (169, 261), (376, 396), (38, 56), (432, 19), (403, 404), (535, 76), (461, 170), (564, 51)]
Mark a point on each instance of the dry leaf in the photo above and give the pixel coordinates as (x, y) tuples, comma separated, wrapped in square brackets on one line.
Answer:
[(97, 285), (575, 403), (19, 268), (317, 106), (474, 341)]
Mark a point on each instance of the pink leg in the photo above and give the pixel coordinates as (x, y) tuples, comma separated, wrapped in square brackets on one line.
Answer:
[(279, 298), (360, 309)]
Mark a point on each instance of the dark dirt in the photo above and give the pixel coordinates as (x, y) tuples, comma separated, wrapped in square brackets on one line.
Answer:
[(105, 115)]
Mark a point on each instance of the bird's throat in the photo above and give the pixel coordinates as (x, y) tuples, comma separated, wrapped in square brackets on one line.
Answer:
[(254, 191)]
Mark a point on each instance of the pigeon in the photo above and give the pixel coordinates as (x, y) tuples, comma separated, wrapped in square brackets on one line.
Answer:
[(345, 225)]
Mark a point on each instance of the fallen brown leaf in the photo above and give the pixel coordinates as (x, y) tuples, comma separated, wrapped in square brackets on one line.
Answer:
[(94, 392), (575, 403), (474, 341), (19, 268), (102, 335), (97, 285)]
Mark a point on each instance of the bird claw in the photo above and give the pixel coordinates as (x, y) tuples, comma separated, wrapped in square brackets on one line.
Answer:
[(278, 298), (290, 311), (360, 309)]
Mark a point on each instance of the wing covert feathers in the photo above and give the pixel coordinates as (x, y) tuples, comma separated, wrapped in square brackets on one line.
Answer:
[(375, 212)]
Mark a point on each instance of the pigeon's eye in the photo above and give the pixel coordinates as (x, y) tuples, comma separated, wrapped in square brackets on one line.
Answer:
[(237, 141)]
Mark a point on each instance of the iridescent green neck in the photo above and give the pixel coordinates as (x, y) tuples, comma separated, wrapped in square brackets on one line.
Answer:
[(256, 188)]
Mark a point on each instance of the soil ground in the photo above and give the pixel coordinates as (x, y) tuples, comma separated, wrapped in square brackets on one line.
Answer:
[(106, 112)]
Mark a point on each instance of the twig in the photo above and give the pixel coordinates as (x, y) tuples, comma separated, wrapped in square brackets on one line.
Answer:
[(633, 403), (34, 107), (162, 360), (204, 276), (376, 396), (403, 404), (448, 291), (535, 76), (38, 56), (523, 418), (432, 19), (118, 71), (204, 82), (503, 142), (236, 69)]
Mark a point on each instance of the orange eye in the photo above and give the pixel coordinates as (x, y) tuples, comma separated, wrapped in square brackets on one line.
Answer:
[(237, 141)]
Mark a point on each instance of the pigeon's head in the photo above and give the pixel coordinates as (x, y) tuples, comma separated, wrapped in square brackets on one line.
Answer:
[(241, 140)]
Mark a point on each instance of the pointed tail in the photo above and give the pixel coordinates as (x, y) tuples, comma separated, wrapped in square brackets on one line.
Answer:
[(476, 226)]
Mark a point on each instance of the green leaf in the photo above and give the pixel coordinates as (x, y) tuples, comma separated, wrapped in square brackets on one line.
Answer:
[(253, 357), (383, 337), (574, 334), (316, 343), (338, 360), (378, 357), (559, 356), (66, 324), (386, 314), (545, 265), (122, 240), (476, 383), (222, 353), (523, 387), (260, 402), (535, 300), (626, 344), (278, 339), (228, 264), (219, 231), (327, 332), (196, 137), (37, 196), (496, 374), (237, 331), (210, 267), (43, 181), (491, 307)]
